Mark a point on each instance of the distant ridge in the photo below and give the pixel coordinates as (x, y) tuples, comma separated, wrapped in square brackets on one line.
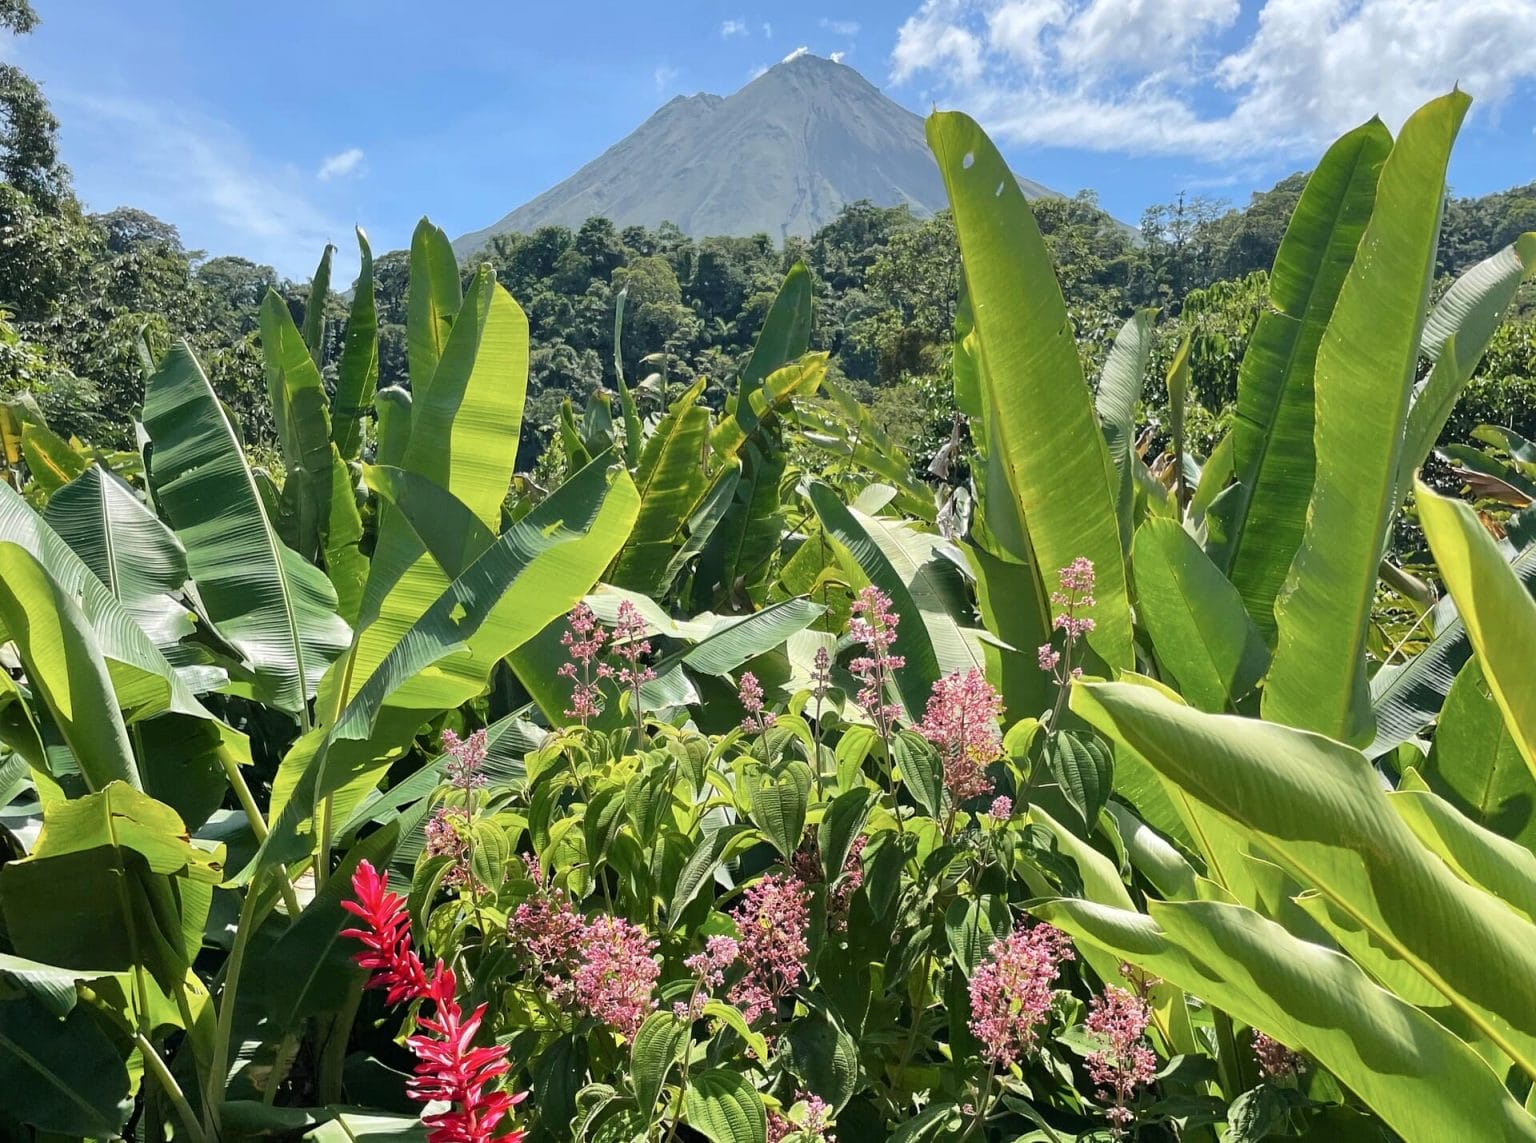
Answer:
[(781, 156)]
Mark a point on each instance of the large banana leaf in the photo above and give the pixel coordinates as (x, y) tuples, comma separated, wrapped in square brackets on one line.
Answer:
[(1365, 370), (62, 1075), (1259, 524), (844, 428), (463, 430), (1499, 614), (277, 609), (137, 558), (1050, 482), (672, 478), (1316, 808), (144, 682), (785, 336), (65, 667), (1475, 763), (317, 494), (1478, 856), (432, 301), (1200, 631), (1125, 371), (738, 556), (1418, 1077), (358, 374), (314, 309), (535, 571)]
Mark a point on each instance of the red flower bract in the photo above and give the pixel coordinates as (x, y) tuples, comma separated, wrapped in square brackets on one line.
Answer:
[(449, 1069)]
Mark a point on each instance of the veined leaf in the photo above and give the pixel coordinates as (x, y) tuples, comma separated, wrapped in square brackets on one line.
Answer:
[(358, 374), (51, 459), (1259, 524), (66, 668), (785, 336), (314, 309), (1317, 809), (432, 302), (1418, 1077), (277, 609), (724, 1108), (1365, 368), (1045, 452), (1125, 371), (62, 1076), (1199, 628), (672, 479), (1499, 614), (1476, 764), (136, 557)]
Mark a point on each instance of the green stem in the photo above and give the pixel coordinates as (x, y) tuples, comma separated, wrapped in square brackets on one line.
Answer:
[(257, 823), (156, 1066), (333, 1056), (984, 1100), (219, 1071)]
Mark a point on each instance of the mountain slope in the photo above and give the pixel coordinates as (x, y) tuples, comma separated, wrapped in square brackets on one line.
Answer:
[(781, 156)]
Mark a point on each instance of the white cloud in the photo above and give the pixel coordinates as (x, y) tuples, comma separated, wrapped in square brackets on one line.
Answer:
[(1172, 77), (730, 28), (840, 27), (767, 30), (796, 54), (199, 173), (836, 57), (341, 164), (664, 76)]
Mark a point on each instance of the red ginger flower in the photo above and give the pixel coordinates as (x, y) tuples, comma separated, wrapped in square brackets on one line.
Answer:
[(448, 1068)]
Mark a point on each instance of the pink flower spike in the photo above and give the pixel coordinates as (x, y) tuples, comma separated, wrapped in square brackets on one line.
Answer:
[(1012, 990), (961, 722), (773, 917), (1119, 1018)]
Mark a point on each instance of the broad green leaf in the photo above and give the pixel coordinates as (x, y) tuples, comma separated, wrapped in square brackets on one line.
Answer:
[(724, 1108), (277, 609), (840, 825), (921, 771), (845, 428), (1455, 338), (392, 408), (144, 682), (50, 986), (779, 803), (1499, 614), (1475, 763), (713, 847), (672, 478), (1259, 524), (1009, 600), (1478, 856), (824, 1056), (64, 1076), (1049, 480), (136, 557), (51, 459), (717, 500), (1084, 770), (358, 373), (432, 303), (345, 563), (450, 532), (1125, 371), (314, 309), (299, 406), (633, 431), (1418, 1077), (785, 336), (1316, 808), (652, 1055), (971, 925), (738, 558), (461, 424), (1200, 631), (65, 668), (1365, 370)]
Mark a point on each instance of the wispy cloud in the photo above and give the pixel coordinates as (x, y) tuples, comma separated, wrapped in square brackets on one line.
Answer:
[(665, 77), (796, 54), (341, 164), (199, 172), (767, 30), (731, 28), (840, 27), (1106, 75)]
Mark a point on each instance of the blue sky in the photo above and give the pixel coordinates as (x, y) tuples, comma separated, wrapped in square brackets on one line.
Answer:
[(266, 130)]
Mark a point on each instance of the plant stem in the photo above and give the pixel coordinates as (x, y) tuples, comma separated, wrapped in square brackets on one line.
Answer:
[(257, 823), (218, 1072), (333, 1056), (984, 1098), (155, 1065)]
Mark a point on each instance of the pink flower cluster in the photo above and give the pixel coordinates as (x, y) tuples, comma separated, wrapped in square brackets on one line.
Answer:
[(961, 721), (631, 647), (1125, 1063), (816, 1122), (605, 967), (1276, 1061), (821, 673), (583, 642), (1011, 991), (448, 836), (448, 1068), (1074, 597), (708, 968), (617, 973), (466, 758), (874, 625), (750, 693), (1001, 809), (773, 918)]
